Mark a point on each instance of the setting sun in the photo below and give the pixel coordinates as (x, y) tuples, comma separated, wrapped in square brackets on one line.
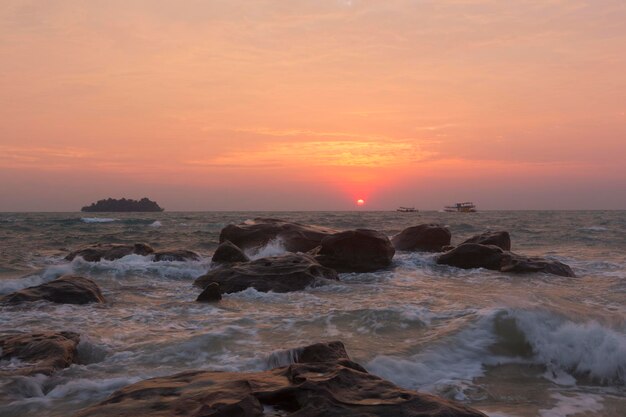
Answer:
[(360, 202)]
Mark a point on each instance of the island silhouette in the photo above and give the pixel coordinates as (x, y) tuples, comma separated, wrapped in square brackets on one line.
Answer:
[(123, 205)]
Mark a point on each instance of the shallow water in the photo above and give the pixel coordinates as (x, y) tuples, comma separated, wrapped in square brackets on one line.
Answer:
[(510, 345)]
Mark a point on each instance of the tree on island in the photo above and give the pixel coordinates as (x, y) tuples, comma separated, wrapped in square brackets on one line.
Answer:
[(112, 204)]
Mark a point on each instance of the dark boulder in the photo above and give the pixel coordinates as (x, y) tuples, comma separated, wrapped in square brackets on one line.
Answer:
[(522, 264), (110, 251), (360, 250), (227, 252), (210, 294), (289, 272), (256, 233), (40, 353), (422, 238), (475, 255), (501, 239), (179, 255), (326, 388), (67, 289)]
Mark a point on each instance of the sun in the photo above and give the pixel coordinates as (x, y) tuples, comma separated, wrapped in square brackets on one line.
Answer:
[(360, 202)]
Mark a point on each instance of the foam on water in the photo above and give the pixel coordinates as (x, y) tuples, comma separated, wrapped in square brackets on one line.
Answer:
[(570, 405), (274, 247), (567, 350), (97, 220)]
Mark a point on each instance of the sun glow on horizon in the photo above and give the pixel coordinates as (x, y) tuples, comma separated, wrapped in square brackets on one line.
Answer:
[(360, 202)]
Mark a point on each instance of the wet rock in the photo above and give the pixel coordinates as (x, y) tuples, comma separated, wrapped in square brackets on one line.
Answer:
[(176, 255), (68, 289), (424, 238), (360, 250), (474, 255), (227, 252), (289, 272), (522, 264), (210, 294), (501, 239), (110, 251), (39, 353), (256, 233), (331, 387)]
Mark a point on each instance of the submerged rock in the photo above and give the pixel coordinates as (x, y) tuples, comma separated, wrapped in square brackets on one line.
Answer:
[(289, 272), (360, 250), (40, 353), (68, 289), (110, 251), (475, 255), (323, 386), (179, 255), (210, 294), (228, 252), (295, 237), (501, 239), (423, 238)]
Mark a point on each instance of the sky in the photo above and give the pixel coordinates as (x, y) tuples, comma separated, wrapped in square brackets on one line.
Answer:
[(313, 104)]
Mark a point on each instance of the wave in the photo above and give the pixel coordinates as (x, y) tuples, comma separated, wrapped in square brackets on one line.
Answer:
[(274, 247), (568, 351), (97, 220)]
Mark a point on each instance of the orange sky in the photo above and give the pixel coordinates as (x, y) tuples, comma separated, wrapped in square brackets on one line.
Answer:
[(312, 104)]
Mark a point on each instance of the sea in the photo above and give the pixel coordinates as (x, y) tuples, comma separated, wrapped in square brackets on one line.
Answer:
[(510, 345)]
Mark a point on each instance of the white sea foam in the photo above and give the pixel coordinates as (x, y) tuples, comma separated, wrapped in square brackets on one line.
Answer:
[(11, 285), (97, 220), (156, 223), (594, 228), (576, 404), (274, 247), (567, 349), (138, 264)]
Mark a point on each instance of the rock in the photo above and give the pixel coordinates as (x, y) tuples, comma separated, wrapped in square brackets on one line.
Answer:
[(178, 255), (501, 239), (289, 272), (110, 251), (360, 250), (475, 255), (40, 353), (295, 237), (424, 238), (210, 294), (67, 289), (227, 252), (329, 388), (521, 264)]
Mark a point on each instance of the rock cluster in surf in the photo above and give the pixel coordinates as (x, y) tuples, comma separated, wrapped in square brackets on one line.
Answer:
[(322, 382)]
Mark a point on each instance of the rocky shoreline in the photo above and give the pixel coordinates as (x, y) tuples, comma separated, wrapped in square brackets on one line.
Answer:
[(328, 383)]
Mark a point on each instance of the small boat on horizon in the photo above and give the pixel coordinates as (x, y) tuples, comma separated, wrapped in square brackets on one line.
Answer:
[(467, 207), (407, 210)]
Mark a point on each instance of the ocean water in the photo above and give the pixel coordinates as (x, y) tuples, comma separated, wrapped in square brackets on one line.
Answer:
[(509, 345)]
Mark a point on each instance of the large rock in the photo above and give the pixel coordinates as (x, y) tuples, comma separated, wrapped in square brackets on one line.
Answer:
[(422, 238), (501, 239), (521, 264), (332, 387), (227, 252), (289, 272), (475, 255), (178, 255), (360, 250), (110, 251), (256, 233), (67, 289), (39, 353)]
